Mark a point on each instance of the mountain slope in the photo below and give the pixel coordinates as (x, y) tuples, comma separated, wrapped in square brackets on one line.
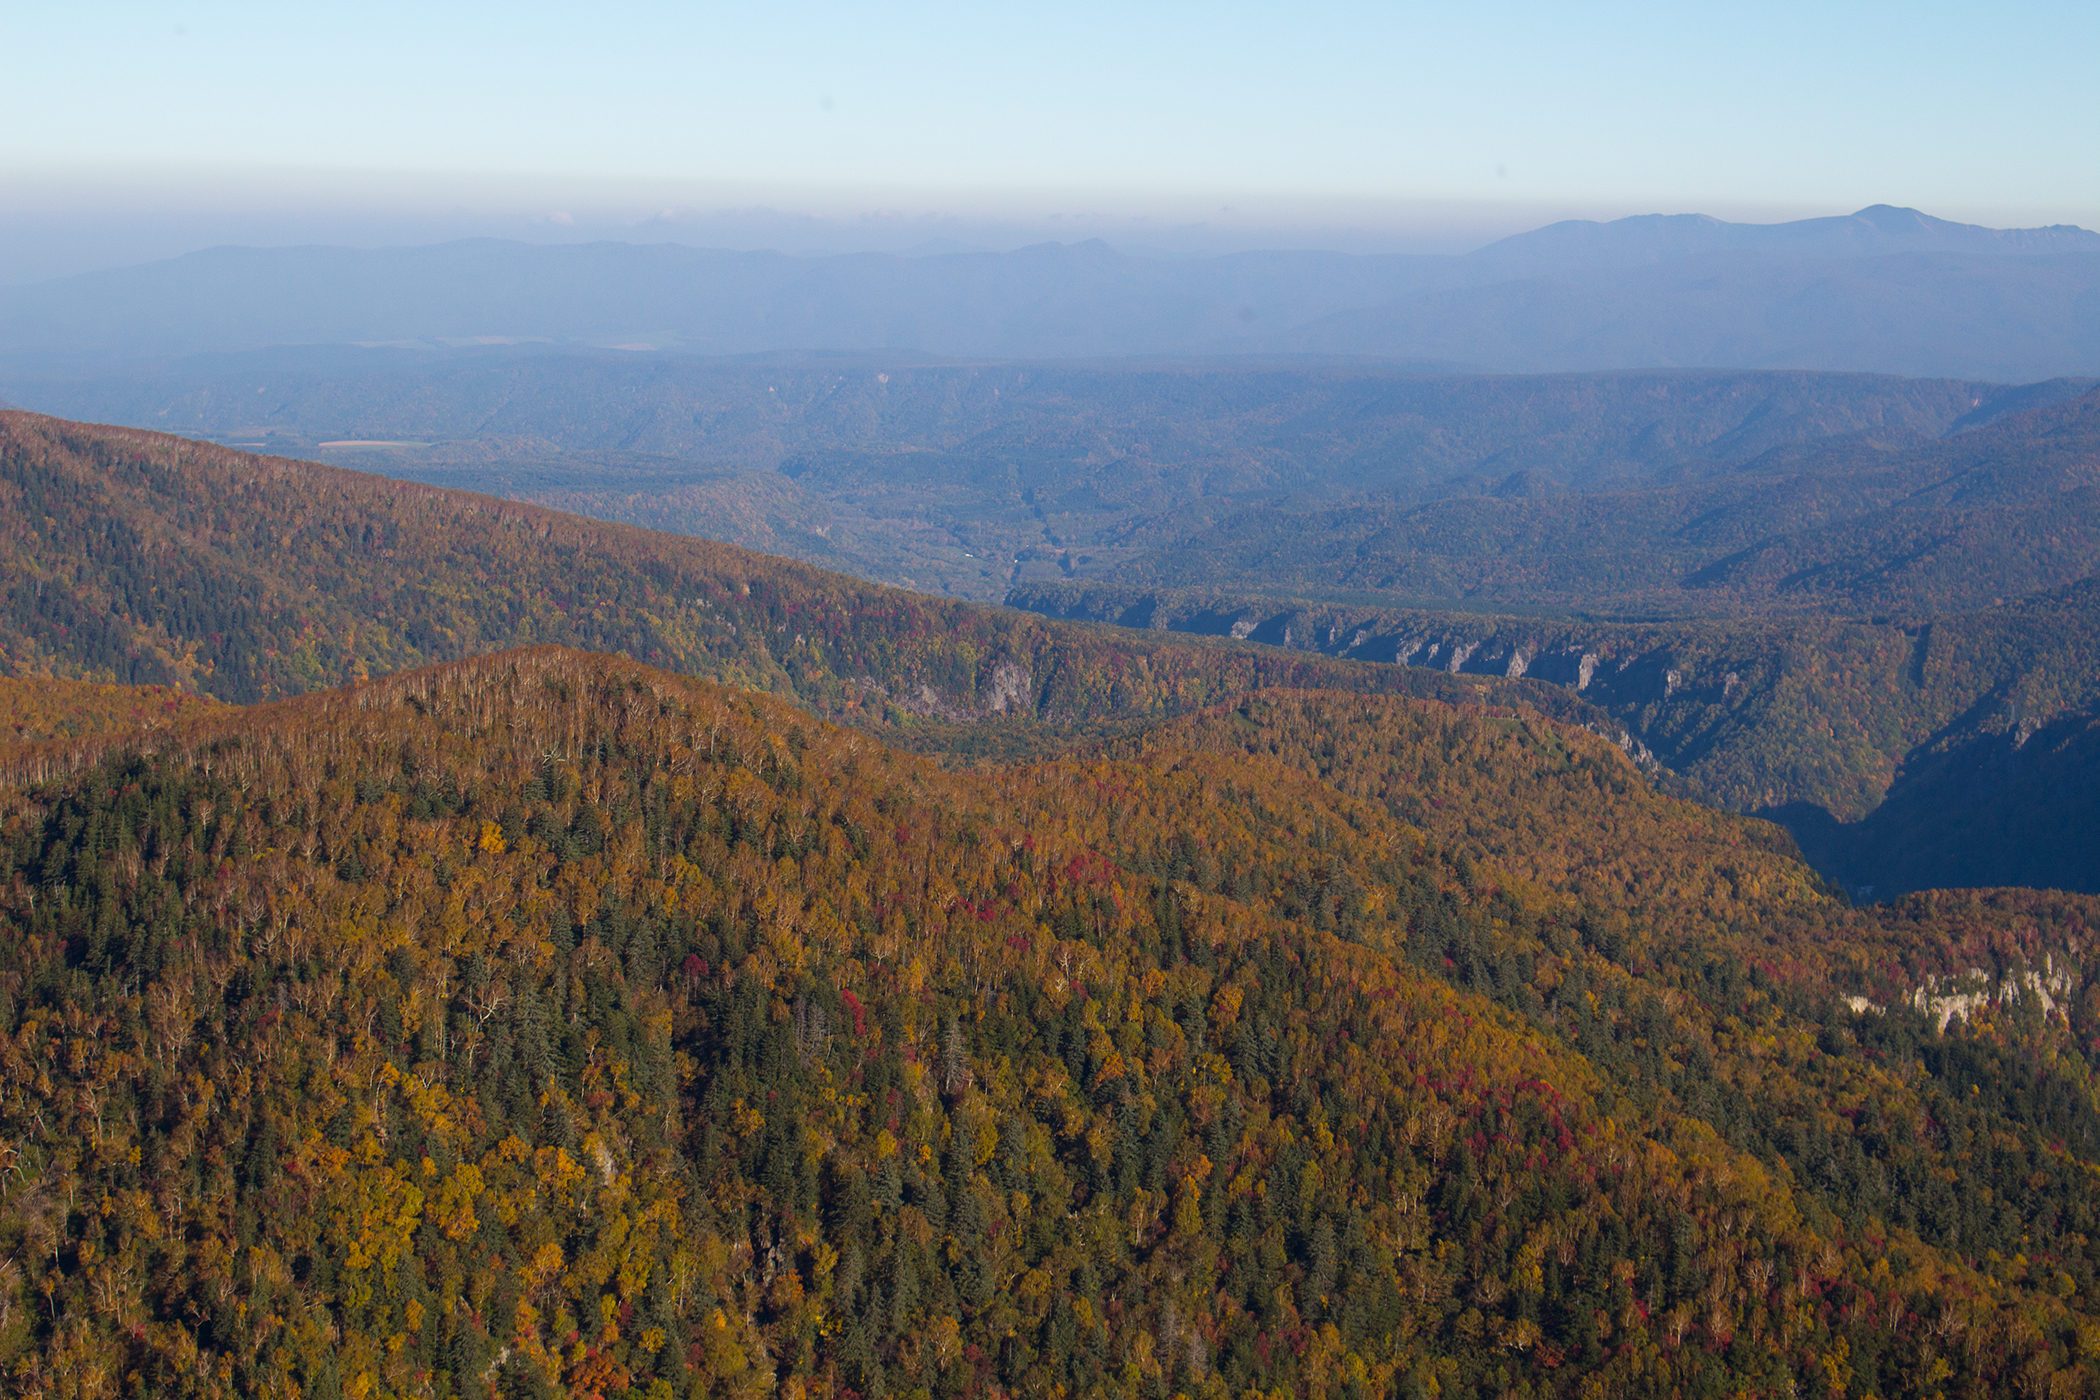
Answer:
[(142, 557), (543, 1020)]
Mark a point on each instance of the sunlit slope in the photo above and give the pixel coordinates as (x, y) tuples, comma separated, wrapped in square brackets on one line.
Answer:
[(35, 708), (146, 558), (543, 1020)]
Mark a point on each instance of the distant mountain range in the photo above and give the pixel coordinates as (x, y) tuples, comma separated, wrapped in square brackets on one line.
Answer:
[(1875, 231), (1886, 289)]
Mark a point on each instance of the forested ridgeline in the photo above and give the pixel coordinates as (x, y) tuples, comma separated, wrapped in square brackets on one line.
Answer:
[(34, 709), (543, 1023), (145, 558)]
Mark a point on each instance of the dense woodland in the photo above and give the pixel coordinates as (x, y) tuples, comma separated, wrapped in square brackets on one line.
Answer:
[(142, 558), (36, 709), (547, 1024)]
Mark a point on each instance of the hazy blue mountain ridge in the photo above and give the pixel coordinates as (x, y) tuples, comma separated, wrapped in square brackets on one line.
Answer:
[(1053, 300), (1888, 290), (1877, 230), (1970, 315)]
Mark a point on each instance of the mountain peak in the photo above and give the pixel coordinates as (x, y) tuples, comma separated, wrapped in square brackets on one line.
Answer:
[(1877, 230)]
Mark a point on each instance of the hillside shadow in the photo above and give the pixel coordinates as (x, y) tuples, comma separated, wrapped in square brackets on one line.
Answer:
[(1998, 809)]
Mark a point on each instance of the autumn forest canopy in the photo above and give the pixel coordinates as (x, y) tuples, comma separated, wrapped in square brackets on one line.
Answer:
[(458, 948), (548, 1021)]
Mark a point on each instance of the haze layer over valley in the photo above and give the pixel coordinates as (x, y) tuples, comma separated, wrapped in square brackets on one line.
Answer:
[(1885, 289)]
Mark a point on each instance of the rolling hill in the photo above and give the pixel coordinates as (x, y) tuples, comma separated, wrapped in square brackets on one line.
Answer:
[(1842, 525), (546, 1023)]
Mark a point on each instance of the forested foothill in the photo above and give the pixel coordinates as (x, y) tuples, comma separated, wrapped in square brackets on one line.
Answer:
[(545, 1023)]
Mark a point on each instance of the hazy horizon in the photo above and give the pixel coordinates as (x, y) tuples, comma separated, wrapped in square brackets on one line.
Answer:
[(140, 133), (59, 228)]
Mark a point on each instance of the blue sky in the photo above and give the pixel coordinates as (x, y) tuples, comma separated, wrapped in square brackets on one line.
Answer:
[(1346, 122)]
